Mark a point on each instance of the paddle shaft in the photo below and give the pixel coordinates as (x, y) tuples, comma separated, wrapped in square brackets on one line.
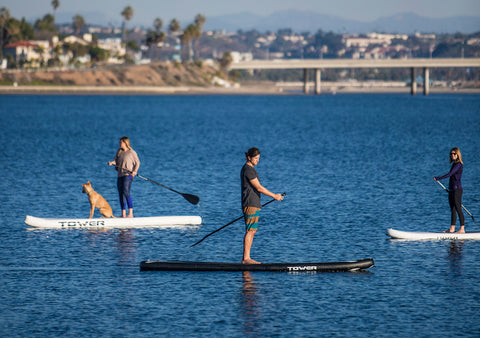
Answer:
[(468, 212), (226, 225), (191, 198), (164, 186)]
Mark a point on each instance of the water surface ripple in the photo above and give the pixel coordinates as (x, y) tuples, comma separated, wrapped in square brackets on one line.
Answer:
[(352, 166)]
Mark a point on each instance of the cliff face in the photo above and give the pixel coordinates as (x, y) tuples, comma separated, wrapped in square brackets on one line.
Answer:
[(155, 74)]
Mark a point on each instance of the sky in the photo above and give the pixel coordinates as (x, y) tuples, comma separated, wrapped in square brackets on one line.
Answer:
[(146, 11)]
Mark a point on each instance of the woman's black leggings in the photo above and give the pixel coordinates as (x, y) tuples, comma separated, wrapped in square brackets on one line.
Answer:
[(455, 201)]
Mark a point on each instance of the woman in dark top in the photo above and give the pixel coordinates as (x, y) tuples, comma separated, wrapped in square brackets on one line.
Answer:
[(251, 192), (455, 189)]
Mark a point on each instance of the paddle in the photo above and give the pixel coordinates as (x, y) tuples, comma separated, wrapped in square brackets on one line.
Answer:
[(194, 199), (468, 212), (191, 198), (226, 225)]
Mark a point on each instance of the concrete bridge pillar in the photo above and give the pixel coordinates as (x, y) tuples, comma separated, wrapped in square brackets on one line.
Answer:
[(318, 79), (305, 81), (426, 81), (413, 89)]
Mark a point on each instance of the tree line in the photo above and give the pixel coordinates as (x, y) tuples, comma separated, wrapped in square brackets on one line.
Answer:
[(14, 30)]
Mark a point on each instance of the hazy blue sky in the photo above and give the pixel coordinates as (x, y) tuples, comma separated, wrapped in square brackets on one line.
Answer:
[(185, 10)]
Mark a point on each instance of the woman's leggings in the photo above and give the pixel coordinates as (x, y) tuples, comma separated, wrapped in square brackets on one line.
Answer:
[(455, 201), (123, 184)]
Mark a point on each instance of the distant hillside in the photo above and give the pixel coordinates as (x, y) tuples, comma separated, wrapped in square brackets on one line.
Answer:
[(303, 21), (306, 21)]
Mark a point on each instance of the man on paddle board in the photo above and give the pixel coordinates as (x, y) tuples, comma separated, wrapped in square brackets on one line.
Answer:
[(126, 162), (455, 190), (251, 192)]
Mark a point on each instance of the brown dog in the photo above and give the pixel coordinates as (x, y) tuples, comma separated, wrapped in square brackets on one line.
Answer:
[(97, 201)]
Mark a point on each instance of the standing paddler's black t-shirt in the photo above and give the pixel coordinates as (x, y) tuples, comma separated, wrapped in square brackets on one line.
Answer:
[(250, 195)]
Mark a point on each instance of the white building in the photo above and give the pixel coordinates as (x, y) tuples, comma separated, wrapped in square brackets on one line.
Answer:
[(114, 45), (85, 40), (372, 39), (28, 51), (237, 56)]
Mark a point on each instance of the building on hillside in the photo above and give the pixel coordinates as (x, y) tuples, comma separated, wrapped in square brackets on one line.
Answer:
[(265, 40), (294, 38), (371, 39), (44, 50), (85, 40), (473, 42), (114, 46), (33, 52), (237, 56), (425, 36), (387, 38), (376, 53)]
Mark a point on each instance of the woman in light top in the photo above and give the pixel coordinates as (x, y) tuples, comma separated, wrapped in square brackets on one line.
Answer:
[(455, 190), (126, 162)]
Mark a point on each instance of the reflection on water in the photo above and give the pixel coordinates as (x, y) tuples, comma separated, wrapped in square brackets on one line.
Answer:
[(455, 251), (250, 304), (126, 245)]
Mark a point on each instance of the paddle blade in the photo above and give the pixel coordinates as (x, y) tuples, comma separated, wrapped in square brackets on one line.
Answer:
[(191, 198)]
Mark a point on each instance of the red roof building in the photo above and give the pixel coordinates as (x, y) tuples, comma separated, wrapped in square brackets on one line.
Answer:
[(22, 51)]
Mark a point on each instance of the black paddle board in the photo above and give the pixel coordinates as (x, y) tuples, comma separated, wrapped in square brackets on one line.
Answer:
[(279, 267)]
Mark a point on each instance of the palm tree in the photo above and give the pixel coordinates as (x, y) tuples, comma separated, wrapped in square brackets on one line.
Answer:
[(158, 24), (150, 40), (78, 23), (196, 34), (184, 40), (225, 61), (127, 14), (199, 22), (57, 51), (55, 5), (174, 26), (190, 33), (40, 51), (47, 23), (153, 38), (4, 17)]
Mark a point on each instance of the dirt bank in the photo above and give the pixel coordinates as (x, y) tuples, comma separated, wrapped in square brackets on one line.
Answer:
[(155, 74)]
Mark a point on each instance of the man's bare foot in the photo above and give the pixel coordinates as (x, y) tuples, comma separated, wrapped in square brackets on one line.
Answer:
[(250, 261), (460, 232)]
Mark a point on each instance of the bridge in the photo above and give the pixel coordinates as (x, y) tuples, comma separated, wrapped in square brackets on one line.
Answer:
[(319, 64)]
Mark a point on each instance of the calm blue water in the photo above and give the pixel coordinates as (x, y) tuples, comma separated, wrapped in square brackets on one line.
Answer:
[(352, 166)]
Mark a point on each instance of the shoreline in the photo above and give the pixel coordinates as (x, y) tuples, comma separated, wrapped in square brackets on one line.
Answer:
[(257, 89)]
